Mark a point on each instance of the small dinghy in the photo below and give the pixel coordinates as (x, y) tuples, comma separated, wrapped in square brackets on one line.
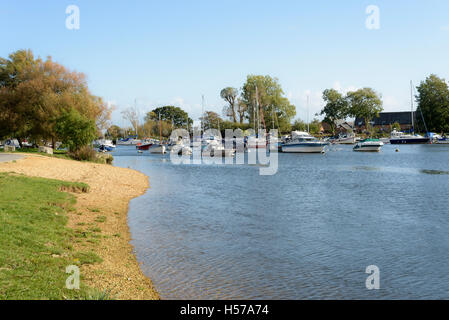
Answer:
[(369, 145)]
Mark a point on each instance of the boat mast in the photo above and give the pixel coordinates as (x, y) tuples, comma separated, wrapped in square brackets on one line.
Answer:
[(202, 114), (160, 129), (308, 123), (411, 96)]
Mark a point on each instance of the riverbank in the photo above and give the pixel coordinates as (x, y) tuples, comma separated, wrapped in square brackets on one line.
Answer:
[(99, 221)]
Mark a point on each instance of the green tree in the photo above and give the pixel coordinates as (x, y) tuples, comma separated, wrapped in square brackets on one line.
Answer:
[(230, 96), (364, 103), (114, 132), (433, 102), (336, 108), (75, 130), (211, 120), (315, 126), (171, 114), (273, 106), (299, 125)]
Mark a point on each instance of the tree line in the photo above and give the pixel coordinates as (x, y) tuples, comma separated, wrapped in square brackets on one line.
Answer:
[(44, 102)]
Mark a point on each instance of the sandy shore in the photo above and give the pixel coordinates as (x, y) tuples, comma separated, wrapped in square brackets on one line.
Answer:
[(105, 207)]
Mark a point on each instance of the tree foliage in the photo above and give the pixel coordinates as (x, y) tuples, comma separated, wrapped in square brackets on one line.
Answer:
[(336, 108), (364, 103), (35, 92), (171, 114), (75, 130), (433, 102), (211, 120), (273, 106), (230, 95)]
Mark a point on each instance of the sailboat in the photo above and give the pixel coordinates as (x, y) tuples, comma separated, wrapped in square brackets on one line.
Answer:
[(401, 138), (256, 141), (158, 148)]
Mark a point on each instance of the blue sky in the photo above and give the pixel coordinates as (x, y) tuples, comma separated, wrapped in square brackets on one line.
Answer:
[(172, 52)]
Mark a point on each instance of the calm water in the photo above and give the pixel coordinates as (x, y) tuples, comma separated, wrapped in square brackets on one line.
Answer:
[(308, 232)]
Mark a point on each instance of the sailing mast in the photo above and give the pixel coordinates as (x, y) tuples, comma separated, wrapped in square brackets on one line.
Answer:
[(308, 122), (160, 129), (411, 95)]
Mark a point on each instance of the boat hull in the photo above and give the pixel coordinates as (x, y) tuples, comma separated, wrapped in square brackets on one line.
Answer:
[(409, 141), (304, 148), (368, 149), (351, 140), (144, 147), (157, 149)]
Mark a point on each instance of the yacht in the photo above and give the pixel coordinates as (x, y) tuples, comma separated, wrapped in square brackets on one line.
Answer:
[(398, 137), (213, 148), (442, 140), (345, 139), (369, 145), (303, 142)]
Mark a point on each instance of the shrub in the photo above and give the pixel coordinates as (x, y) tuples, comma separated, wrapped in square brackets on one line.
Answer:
[(75, 130), (85, 153)]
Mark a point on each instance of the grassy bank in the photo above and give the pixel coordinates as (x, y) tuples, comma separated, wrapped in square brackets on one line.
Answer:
[(87, 227), (35, 243), (94, 157)]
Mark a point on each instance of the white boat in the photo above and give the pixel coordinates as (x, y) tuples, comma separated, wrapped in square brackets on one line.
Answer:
[(345, 139), (158, 149), (442, 140), (302, 142), (369, 145), (128, 142), (212, 148)]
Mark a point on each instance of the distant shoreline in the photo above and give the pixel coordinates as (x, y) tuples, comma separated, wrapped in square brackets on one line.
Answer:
[(105, 208)]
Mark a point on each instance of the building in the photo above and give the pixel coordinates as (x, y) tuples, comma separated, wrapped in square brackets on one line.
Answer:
[(386, 120), (341, 127)]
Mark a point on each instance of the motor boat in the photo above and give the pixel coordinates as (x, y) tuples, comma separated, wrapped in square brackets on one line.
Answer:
[(369, 145), (442, 140), (303, 142), (344, 139), (398, 137)]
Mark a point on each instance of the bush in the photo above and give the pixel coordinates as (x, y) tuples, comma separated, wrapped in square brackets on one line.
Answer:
[(85, 153), (75, 130)]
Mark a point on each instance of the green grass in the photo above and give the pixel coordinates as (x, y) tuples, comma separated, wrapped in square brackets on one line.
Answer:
[(35, 244)]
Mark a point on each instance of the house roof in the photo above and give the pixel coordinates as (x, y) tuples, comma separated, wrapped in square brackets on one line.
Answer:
[(388, 118)]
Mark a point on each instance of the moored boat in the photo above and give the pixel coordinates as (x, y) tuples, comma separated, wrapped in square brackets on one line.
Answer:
[(369, 145), (344, 139), (442, 140), (398, 137), (302, 142)]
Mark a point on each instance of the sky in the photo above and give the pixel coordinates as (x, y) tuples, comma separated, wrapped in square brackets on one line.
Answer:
[(156, 53)]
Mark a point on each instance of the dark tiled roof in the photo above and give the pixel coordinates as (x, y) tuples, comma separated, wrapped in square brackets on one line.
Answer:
[(388, 118)]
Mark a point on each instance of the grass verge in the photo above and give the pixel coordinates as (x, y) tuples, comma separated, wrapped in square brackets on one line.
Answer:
[(35, 244)]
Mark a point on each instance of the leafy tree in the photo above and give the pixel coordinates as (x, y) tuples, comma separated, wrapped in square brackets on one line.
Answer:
[(171, 114), (315, 126), (433, 102), (34, 92), (230, 96), (396, 126), (114, 132), (242, 109), (273, 106), (336, 108), (299, 125), (211, 120), (75, 130), (364, 103)]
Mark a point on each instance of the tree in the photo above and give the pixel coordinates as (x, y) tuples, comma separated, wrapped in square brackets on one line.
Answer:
[(174, 115), (230, 96), (242, 108), (131, 115), (114, 132), (34, 92), (299, 125), (433, 103), (336, 108), (273, 106), (315, 126), (75, 130), (211, 120), (364, 103)]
